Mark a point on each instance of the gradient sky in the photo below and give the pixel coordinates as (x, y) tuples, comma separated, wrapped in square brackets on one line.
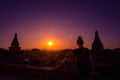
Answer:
[(60, 21)]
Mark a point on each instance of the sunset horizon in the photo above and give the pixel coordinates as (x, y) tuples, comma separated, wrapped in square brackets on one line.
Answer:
[(52, 44)]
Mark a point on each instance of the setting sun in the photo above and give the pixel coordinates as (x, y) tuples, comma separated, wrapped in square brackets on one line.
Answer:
[(50, 43)]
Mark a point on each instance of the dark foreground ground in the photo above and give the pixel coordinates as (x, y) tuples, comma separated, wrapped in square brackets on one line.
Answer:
[(21, 72)]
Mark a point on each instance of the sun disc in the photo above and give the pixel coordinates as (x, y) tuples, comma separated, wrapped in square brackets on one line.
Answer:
[(50, 43)]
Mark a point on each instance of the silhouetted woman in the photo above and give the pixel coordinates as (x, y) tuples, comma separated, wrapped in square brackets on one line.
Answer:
[(78, 60)]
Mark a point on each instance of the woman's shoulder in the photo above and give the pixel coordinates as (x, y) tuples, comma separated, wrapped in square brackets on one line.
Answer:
[(78, 49), (86, 49)]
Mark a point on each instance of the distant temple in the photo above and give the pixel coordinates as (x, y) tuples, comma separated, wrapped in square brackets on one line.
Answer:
[(15, 45), (97, 45), (15, 54)]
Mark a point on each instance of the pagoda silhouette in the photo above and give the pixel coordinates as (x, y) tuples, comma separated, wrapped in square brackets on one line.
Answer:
[(97, 45), (15, 54), (15, 45)]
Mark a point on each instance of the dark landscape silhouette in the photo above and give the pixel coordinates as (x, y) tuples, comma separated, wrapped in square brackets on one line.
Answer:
[(37, 64)]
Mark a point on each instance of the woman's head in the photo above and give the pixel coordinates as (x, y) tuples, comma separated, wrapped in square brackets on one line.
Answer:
[(80, 41)]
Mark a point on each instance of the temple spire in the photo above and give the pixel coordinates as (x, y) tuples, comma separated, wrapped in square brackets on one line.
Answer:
[(97, 44), (15, 44)]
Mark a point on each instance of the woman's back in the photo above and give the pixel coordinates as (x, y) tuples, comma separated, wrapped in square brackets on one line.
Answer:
[(83, 60)]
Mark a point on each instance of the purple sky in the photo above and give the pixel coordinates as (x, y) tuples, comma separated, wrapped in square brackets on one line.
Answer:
[(37, 22)]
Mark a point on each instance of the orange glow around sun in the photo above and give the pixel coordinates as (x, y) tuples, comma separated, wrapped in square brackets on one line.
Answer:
[(50, 43)]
